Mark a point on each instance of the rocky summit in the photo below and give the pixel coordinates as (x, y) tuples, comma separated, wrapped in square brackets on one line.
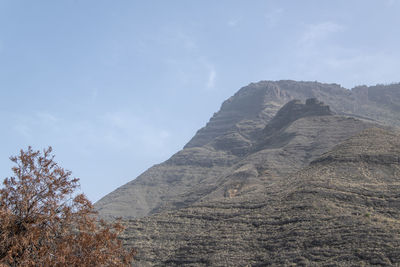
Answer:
[(285, 173)]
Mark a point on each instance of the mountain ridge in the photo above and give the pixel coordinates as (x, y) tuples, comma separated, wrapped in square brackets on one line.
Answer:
[(234, 132), (285, 173)]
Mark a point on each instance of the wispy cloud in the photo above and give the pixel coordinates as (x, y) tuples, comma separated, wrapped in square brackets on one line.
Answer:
[(315, 33), (334, 62), (28, 125), (361, 67), (212, 75), (124, 130), (23, 130), (321, 54), (390, 3), (172, 37), (46, 117), (273, 17), (210, 72), (233, 22), (94, 94), (188, 42), (118, 120)]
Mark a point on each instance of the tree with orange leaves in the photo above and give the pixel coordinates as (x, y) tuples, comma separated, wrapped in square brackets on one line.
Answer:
[(43, 222)]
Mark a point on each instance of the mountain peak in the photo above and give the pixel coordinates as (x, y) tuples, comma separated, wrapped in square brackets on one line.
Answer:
[(259, 102), (262, 127), (245, 179)]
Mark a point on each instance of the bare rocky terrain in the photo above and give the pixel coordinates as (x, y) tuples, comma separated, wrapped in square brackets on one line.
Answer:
[(341, 210), (285, 173)]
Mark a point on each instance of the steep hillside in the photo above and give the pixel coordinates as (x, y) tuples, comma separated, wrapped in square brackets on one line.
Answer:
[(233, 152), (342, 209)]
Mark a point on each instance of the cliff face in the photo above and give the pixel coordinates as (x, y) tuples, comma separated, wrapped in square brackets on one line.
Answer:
[(341, 210), (242, 141)]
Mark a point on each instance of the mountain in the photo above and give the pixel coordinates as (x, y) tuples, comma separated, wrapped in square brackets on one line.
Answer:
[(248, 144), (342, 209)]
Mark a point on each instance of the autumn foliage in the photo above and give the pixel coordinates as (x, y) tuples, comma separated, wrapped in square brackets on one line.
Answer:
[(43, 222)]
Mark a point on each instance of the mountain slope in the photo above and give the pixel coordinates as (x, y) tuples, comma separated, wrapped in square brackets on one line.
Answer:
[(343, 209), (228, 156)]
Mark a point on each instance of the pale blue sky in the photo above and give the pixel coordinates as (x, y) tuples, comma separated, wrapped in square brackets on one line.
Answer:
[(117, 86)]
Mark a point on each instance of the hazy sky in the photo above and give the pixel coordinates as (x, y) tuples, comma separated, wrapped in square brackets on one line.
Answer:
[(117, 86)]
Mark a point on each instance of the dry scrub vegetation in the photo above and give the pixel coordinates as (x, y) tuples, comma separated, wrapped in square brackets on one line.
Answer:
[(43, 222)]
